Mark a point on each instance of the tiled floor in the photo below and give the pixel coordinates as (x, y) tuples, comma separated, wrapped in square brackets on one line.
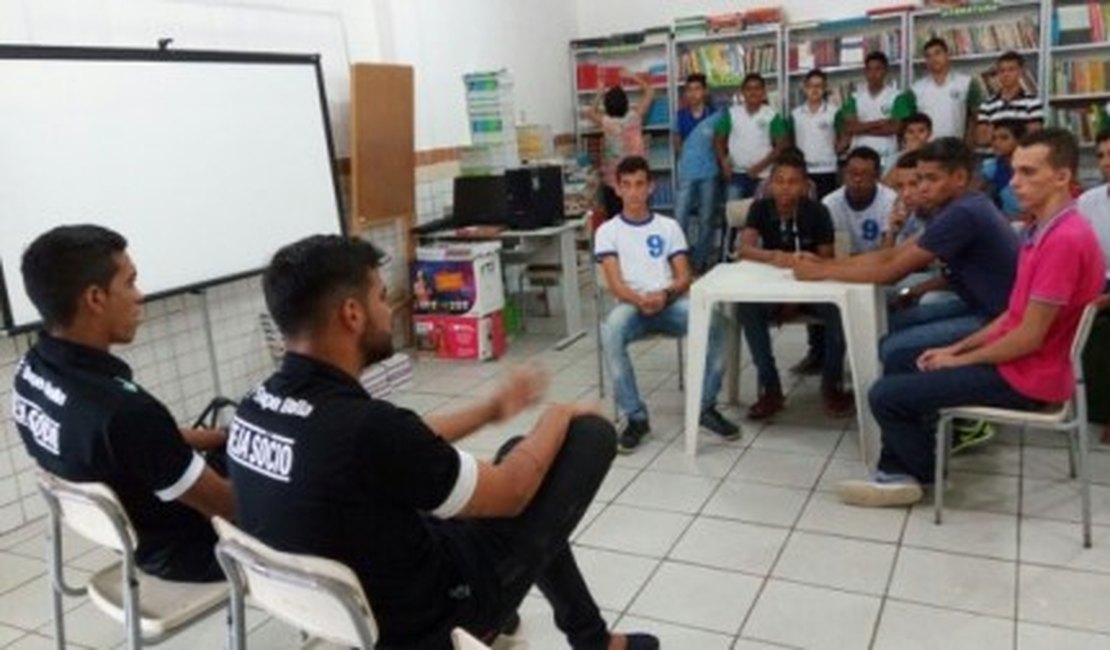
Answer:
[(744, 546)]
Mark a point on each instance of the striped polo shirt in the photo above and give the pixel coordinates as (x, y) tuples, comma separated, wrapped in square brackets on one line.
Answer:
[(1022, 108)]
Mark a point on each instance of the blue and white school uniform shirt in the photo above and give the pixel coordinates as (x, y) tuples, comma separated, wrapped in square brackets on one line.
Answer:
[(644, 249)]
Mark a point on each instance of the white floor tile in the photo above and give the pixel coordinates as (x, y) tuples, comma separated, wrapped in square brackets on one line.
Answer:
[(990, 459), (732, 545), (1066, 598), (798, 440), (750, 644), (909, 626), (714, 458), (635, 530), (16, 569), (986, 492), (757, 503), (1042, 637), (964, 531), (613, 578), (838, 562), (1060, 543), (978, 585), (1059, 499), (9, 634), (778, 468), (676, 636), (88, 626), (667, 491), (38, 642), (616, 479), (28, 606), (591, 513), (826, 514), (812, 617), (699, 597), (643, 455)]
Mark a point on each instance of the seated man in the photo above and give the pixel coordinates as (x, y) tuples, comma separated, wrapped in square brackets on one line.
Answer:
[(1021, 360), (1094, 205), (437, 538), (644, 258), (967, 233), (862, 206), (778, 230), (82, 417)]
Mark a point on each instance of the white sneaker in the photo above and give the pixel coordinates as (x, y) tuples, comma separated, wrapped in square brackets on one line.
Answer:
[(879, 494)]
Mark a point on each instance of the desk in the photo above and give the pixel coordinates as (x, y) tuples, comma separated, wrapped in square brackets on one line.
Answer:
[(862, 310), (552, 245)]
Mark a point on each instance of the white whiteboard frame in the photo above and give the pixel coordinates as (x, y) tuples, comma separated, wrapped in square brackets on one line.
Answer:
[(169, 57)]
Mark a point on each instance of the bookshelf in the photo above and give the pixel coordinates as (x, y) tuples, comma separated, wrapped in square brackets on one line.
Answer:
[(725, 58), (838, 47), (1078, 88), (596, 64), (977, 35)]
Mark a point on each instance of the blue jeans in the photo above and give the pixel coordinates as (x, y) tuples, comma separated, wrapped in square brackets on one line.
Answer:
[(756, 321), (922, 327), (907, 405), (699, 230), (626, 324), (741, 186)]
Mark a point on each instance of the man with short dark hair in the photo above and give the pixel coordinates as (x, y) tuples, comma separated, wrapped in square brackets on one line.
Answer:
[(967, 233), (697, 170), (1021, 359), (437, 538), (749, 135), (872, 115), (83, 418), (779, 229), (1012, 102), (861, 207), (950, 98)]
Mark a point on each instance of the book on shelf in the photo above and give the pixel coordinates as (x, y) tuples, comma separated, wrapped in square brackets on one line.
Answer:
[(984, 38), (725, 64), (1077, 24), (1084, 122), (843, 50), (1080, 76)]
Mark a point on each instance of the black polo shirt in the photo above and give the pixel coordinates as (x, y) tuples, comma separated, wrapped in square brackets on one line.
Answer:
[(82, 418), (811, 227), (320, 467)]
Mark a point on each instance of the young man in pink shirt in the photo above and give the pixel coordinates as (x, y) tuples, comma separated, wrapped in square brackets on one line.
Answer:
[(1021, 359)]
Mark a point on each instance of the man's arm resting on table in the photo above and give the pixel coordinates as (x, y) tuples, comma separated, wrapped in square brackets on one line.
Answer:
[(210, 495), (750, 249), (879, 267), (506, 489)]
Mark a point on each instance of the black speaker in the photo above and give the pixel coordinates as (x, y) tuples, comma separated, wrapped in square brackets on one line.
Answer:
[(535, 197), (479, 201)]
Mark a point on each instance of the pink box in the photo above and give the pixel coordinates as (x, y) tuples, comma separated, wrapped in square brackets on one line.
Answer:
[(461, 337)]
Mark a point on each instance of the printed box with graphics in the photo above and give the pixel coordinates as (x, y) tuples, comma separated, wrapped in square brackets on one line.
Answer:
[(458, 279), (461, 337)]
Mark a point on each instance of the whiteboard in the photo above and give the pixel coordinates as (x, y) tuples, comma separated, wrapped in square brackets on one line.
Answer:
[(206, 162)]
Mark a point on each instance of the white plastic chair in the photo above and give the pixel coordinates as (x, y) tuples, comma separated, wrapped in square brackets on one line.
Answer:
[(321, 597), (151, 609), (1069, 417), (736, 215)]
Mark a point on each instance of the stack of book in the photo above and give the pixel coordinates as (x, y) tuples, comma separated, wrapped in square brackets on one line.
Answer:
[(1080, 76), (724, 23), (1084, 22), (986, 37), (1083, 122), (489, 106), (721, 63), (690, 26)]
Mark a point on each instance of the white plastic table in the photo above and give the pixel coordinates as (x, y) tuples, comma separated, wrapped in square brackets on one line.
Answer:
[(862, 311)]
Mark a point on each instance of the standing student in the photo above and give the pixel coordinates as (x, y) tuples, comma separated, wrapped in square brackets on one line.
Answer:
[(83, 417), (1013, 102), (862, 206), (437, 538), (622, 129), (697, 170), (779, 230), (914, 132), (644, 258), (748, 137), (814, 125), (873, 114), (997, 170), (1021, 359), (951, 99)]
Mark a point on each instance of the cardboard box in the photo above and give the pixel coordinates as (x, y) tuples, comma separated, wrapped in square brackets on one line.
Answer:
[(461, 337), (458, 279)]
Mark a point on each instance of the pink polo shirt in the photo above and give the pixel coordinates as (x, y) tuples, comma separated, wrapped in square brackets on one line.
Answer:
[(1059, 263)]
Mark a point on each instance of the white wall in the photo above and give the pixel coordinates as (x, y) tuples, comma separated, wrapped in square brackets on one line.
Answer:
[(599, 18), (443, 39)]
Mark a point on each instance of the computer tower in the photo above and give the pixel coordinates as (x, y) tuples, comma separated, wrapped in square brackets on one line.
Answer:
[(535, 197), (480, 201)]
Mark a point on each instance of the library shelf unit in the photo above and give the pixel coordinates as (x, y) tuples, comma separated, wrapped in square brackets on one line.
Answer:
[(839, 47), (596, 64)]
